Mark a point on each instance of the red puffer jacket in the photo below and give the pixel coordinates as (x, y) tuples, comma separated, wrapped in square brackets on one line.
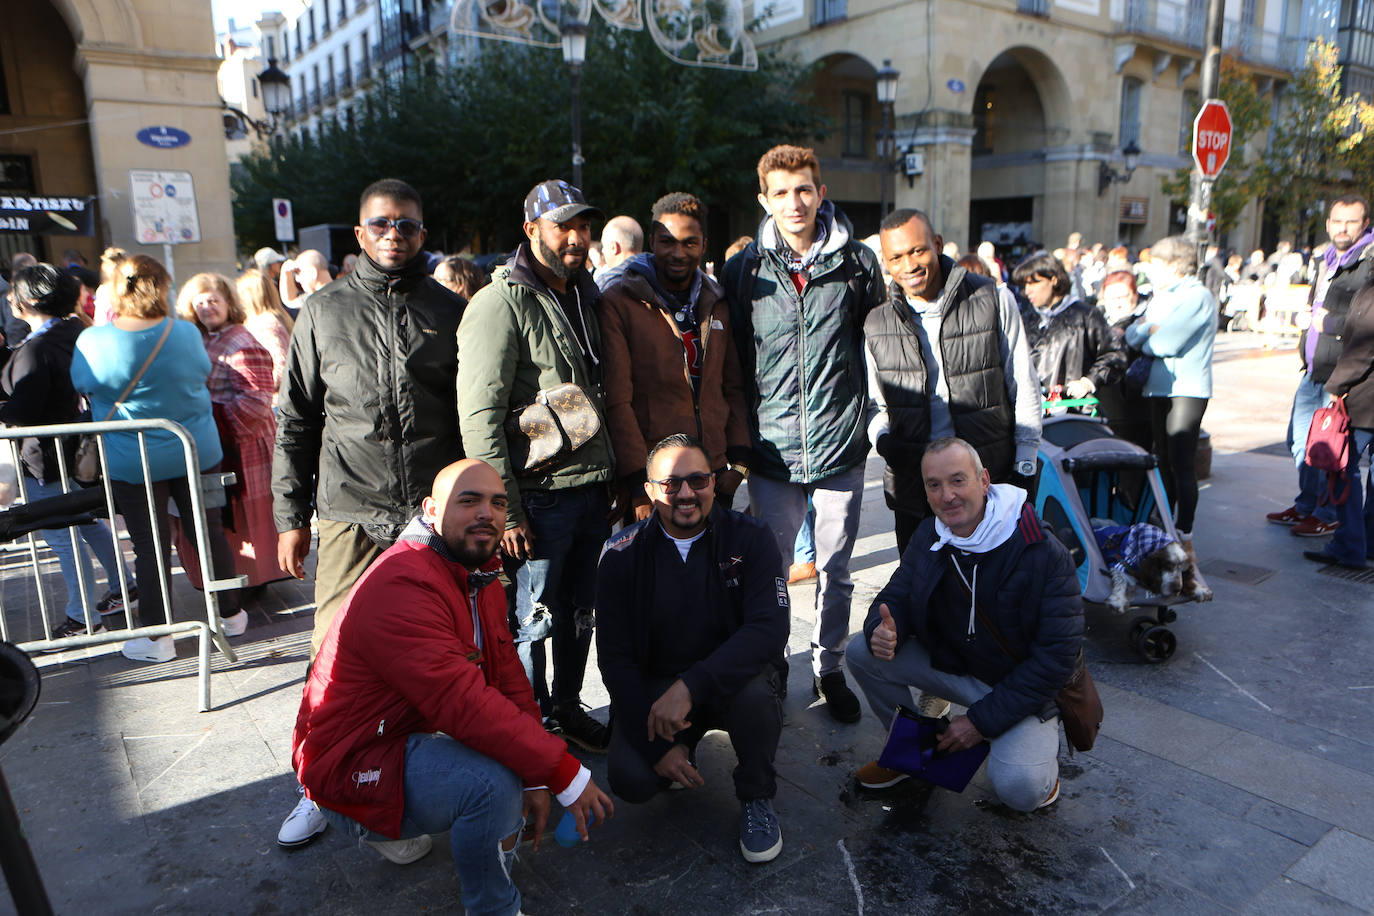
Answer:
[(401, 658)]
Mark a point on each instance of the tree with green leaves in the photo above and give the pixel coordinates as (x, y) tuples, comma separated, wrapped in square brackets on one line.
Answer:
[(1321, 146), (473, 139), (1240, 182)]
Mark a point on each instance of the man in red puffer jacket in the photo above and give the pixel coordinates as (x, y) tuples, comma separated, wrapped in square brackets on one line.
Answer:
[(417, 716)]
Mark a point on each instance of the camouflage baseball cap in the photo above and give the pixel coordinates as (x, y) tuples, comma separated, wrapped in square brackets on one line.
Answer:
[(557, 201)]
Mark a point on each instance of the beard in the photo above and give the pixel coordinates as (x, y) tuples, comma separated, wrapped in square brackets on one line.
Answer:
[(470, 553), (553, 260)]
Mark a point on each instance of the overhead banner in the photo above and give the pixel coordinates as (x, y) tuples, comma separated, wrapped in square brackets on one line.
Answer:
[(47, 215)]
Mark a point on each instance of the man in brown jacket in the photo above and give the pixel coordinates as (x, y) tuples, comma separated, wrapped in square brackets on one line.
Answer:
[(670, 359)]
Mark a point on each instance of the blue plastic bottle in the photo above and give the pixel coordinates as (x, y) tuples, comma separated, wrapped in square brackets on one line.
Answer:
[(566, 834)]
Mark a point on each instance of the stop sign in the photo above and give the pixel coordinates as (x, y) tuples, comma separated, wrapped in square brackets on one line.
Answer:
[(1212, 138)]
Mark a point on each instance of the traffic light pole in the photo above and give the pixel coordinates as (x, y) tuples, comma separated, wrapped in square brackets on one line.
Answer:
[(1200, 189)]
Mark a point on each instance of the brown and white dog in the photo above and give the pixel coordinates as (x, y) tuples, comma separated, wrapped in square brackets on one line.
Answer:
[(1144, 555)]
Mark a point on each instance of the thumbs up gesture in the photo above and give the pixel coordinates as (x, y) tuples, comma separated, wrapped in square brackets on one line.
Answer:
[(883, 643)]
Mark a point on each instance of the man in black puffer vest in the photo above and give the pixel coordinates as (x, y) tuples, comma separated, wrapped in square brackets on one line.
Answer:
[(946, 356)]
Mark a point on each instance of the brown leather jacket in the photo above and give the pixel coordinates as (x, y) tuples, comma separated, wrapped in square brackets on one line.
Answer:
[(648, 388)]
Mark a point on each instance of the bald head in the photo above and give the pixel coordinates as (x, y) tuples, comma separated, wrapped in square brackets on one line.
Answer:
[(621, 239), (467, 509)]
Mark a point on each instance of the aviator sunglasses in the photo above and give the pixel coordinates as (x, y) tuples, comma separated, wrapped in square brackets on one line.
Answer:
[(380, 226)]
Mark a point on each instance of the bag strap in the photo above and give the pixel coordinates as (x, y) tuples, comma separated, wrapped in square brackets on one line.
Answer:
[(128, 389), (984, 619)]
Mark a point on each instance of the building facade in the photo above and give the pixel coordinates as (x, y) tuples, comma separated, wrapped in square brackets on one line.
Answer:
[(80, 81), (1016, 113)]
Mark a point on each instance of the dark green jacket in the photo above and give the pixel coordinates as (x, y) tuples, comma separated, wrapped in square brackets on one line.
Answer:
[(515, 341), (802, 353)]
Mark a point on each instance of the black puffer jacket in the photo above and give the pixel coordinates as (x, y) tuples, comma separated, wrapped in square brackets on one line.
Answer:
[(1346, 282), (368, 399), (1074, 342), (37, 387), (1027, 585), (1353, 375)]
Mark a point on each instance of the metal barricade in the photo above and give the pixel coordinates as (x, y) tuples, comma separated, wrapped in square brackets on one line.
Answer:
[(209, 629)]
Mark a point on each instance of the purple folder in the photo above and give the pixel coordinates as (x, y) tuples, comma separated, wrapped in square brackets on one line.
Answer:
[(911, 749)]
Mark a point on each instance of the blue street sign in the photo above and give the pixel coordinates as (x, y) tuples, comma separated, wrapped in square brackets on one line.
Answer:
[(163, 137)]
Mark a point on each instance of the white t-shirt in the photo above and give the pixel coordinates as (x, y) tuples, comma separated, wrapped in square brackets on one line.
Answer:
[(684, 545)]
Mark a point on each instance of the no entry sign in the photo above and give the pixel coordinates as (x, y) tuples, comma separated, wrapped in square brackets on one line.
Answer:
[(1212, 138)]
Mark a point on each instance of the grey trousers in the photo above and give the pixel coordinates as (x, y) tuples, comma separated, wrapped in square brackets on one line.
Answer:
[(1024, 761), (782, 506)]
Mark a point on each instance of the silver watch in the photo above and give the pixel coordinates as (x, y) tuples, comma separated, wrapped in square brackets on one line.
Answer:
[(1025, 468)]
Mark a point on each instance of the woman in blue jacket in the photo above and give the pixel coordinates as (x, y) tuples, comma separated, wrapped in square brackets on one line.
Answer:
[(1178, 329)]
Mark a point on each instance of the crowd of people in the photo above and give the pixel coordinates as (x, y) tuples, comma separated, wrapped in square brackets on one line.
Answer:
[(501, 468)]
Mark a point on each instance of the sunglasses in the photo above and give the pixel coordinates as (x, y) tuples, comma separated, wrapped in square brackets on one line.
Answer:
[(671, 485), (380, 226)]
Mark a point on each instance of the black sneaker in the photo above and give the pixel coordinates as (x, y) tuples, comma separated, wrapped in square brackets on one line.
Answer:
[(839, 699), (113, 602), (760, 834), (581, 729), (70, 628)]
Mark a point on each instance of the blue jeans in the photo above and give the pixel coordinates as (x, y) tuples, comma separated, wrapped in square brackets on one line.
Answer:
[(59, 540), (1306, 400), (555, 589), (1351, 542), (1024, 761), (477, 801), (805, 551)]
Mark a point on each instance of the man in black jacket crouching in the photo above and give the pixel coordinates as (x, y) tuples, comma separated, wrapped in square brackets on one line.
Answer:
[(692, 620)]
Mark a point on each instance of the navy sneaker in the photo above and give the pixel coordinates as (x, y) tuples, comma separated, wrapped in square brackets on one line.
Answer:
[(760, 834)]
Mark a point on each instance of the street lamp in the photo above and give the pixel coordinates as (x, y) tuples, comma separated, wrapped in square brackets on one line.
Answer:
[(574, 36), (887, 95), (276, 91), (1130, 156)]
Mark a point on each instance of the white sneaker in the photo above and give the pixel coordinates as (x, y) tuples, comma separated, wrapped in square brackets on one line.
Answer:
[(932, 706), (303, 824), (236, 625), (403, 852), (150, 650)]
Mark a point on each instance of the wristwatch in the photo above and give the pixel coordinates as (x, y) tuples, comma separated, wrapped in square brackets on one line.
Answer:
[(1025, 468), (741, 470)]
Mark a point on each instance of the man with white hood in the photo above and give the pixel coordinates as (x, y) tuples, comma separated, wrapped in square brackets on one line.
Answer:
[(985, 610)]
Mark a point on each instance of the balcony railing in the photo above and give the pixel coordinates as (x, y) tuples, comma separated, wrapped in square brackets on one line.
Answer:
[(328, 90), (363, 70), (1033, 7), (315, 97), (831, 11), (345, 79), (1184, 23)]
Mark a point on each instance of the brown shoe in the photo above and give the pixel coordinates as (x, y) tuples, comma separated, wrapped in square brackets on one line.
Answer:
[(1194, 586), (872, 776), (1289, 516), (1313, 527), (800, 572)]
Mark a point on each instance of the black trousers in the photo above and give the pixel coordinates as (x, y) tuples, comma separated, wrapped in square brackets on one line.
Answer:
[(1176, 422), (751, 717)]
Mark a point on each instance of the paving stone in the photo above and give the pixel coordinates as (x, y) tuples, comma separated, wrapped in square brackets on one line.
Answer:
[(1339, 866)]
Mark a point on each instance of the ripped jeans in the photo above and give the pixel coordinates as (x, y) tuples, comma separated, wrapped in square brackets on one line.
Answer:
[(555, 588), (450, 788)]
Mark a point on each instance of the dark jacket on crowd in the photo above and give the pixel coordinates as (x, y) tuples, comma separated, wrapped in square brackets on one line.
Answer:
[(516, 341), (368, 403), (38, 391), (1028, 587), (649, 393), (1122, 403), (1353, 375), (1345, 283), (732, 584), (979, 406), (1073, 341), (802, 352)]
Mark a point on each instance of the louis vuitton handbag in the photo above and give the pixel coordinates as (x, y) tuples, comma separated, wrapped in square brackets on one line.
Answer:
[(558, 422)]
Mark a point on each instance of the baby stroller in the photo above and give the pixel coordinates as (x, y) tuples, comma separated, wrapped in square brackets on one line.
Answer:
[(1086, 473)]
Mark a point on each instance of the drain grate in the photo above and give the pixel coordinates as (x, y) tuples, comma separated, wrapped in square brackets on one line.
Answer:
[(1349, 575), (1235, 571)]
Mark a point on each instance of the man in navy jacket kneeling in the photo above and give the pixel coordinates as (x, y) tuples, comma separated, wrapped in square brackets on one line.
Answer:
[(692, 622)]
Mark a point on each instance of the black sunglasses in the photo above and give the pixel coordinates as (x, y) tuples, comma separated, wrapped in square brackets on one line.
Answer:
[(671, 485), (380, 226)]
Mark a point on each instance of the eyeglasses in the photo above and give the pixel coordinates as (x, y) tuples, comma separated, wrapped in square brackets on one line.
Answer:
[(380, 226), (671, 485)]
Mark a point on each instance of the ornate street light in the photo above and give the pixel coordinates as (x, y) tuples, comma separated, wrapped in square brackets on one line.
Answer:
[(574, 36), (1130, 157), (276, 92), (886, 82)]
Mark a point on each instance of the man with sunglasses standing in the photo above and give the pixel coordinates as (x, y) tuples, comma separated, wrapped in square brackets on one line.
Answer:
[(369, 414), (693, 623), (527, 338)]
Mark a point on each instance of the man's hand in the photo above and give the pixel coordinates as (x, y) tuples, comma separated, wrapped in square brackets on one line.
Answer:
[(536, 812), (1079, 387), (518, 541), (1318, 319), (292, 547), (883, 642), (643, 510), (596, 802), (677, 766), (960, 735), (668, 715)]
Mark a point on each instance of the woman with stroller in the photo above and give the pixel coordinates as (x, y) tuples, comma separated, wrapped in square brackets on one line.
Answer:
[(1073, 350), (241, 390), (37, 388), (165, 359), (1178, 329)]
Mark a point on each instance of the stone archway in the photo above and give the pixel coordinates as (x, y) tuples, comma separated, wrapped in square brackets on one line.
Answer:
[(102, 22), (844, 86)]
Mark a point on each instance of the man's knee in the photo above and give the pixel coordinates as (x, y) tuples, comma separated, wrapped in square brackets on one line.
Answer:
[(629, 775), (1022, 785), (859, 658)]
